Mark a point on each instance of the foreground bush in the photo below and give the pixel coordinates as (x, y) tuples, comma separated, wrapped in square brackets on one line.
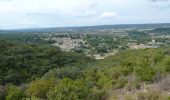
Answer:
[(14, 93), (69, 90), (40, 88)]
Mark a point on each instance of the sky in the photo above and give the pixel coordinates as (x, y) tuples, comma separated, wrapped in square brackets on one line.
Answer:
[(15, 14)]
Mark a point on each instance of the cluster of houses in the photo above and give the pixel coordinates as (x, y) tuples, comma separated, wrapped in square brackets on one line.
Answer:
[(68, 44), (143, 46)]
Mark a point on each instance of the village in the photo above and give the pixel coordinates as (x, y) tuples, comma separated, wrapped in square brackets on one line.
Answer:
[(100, 46)]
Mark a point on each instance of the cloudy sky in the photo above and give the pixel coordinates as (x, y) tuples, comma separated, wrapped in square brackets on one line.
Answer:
[(61, 13)]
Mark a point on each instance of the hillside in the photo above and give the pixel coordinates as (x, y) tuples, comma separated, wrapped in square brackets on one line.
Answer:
[(21, 63), (50, 74), (161, 30)]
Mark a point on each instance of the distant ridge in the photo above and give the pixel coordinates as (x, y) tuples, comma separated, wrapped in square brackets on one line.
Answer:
[(97, 28)]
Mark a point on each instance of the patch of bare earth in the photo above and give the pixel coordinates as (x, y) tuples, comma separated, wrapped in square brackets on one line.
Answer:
[(155, 91)]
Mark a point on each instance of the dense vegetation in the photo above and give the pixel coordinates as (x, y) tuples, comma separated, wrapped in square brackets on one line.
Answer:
[(31, 38), (38, 72), (161, 31), (21, 63)]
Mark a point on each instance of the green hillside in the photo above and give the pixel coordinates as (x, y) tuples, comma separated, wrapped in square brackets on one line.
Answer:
[(31, 71)]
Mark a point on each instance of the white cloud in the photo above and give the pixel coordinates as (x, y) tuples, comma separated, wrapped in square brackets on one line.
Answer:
[(37, 13), (108, 14)]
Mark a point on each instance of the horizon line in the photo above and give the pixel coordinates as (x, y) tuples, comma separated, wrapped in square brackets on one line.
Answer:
[(47, 27)]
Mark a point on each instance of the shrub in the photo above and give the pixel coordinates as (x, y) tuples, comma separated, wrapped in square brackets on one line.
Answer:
[(145, 73), (68, 89), (14, 93), (120, 83), (149, 96), (40, 88)]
